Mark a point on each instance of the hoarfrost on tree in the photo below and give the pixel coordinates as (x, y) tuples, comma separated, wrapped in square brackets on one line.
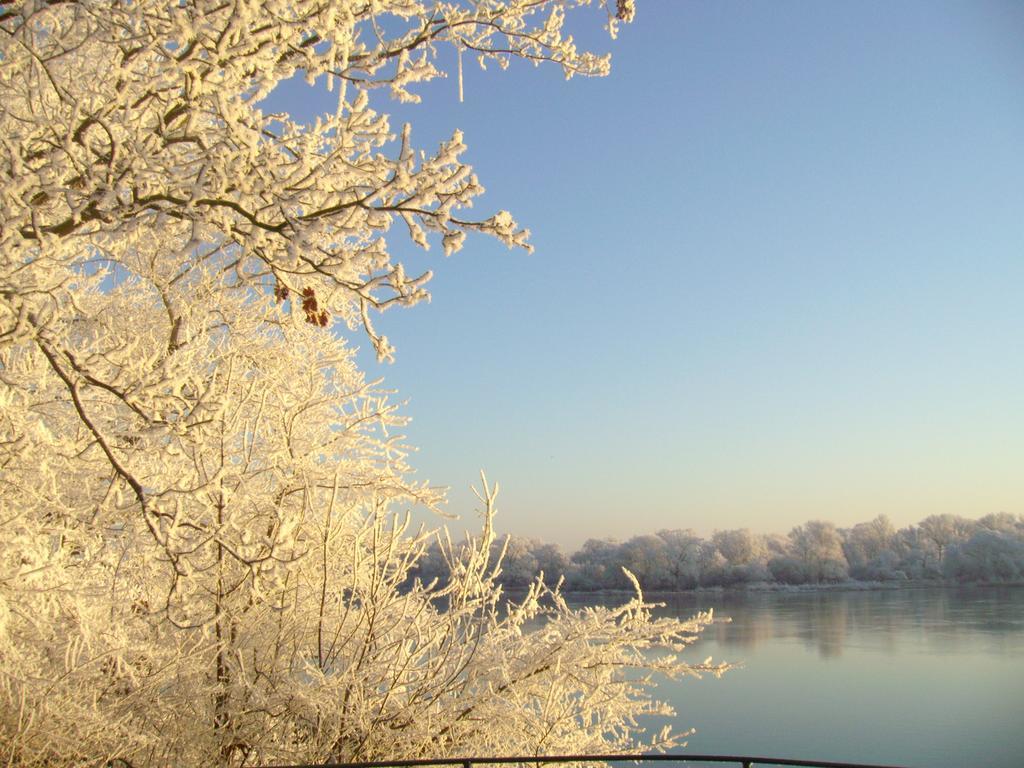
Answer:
[(203, 557)]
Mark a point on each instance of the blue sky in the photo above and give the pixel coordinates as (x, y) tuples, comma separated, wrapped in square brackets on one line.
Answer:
[(778, 274)]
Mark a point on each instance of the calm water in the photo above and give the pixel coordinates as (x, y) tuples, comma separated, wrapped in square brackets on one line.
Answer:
[(918, 677)]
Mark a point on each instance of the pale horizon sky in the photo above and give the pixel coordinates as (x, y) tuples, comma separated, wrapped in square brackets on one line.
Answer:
[(778, 275)]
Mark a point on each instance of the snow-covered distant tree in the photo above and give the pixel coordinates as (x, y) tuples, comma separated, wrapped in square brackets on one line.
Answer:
[(648, 558), (942, 531), (551, 560), (201, 556), (524, 559), (597, 565), (739, 546), (687, 555), (745, 553), (988, 556), (818, 550), (519, 567), (1003, 522), (869, 550)]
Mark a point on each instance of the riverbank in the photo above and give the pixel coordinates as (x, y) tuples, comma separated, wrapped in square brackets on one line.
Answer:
[(767, 586)]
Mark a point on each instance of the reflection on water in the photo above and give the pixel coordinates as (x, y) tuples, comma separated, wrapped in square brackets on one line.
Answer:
[(921, 677), (884, 620)]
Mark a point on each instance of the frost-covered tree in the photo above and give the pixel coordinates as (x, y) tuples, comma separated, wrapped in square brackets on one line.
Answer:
[(817, 548), (202, 556), (988, 556), (739, 546), (597, 565), (942, 531), (1003, 522), (523, 560), (648, 558), (745, 553), (551, 560), (518, 565), (687, 557), (870, 552)]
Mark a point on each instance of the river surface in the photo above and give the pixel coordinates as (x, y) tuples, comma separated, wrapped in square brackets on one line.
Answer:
[(916, 677)]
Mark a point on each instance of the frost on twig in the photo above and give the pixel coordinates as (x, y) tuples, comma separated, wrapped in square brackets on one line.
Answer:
[(205, 556), (143, 120)]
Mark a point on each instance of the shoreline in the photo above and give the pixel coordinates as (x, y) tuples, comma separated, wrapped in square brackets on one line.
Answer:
[(764, 587)]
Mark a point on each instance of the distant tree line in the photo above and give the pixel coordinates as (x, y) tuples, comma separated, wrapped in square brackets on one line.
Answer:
[(939, 548)]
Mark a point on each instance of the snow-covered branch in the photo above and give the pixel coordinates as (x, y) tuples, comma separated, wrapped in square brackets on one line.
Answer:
[(203, 554)]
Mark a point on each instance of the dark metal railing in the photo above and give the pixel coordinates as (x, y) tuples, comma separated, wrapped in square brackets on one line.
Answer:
[(747, 761)]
